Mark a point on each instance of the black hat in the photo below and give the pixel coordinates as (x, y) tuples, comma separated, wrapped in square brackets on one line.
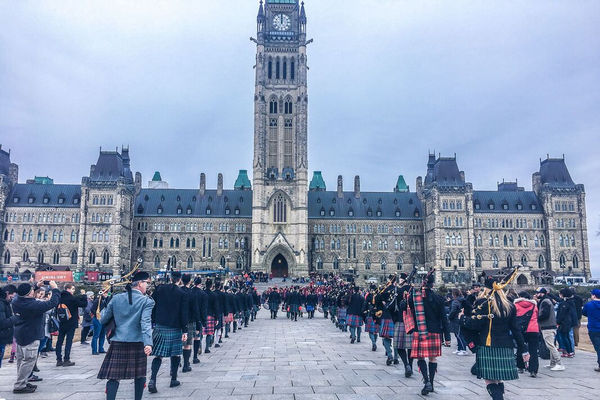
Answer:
[(403, 275), (430, 280), (186, 278), (208, 282), (24, 289), (175, 276), (140, 276), (197, 281), (475, 284), (541, 290)]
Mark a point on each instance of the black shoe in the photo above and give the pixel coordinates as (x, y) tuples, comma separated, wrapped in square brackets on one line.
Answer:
[(220, 340), (217, 345), (374, 347), (352, 341), (533, 374), (427, 389), (68, 363), (174, 383), (59, 363), (389, 361), (196, 361), (35, 368), (152, 386), (207, 351), (226, 336), (408, 371), (396, 362), (496, 391), (26, 389), (84, 343), (186, 369), (358, 340), (34, 378), (102, 352), (30, 385)]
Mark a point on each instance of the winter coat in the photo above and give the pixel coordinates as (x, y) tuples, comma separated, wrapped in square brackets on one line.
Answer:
[(455, 307), (524, 306), (73, 303), (566, 316), (592, 311), (7, 322)]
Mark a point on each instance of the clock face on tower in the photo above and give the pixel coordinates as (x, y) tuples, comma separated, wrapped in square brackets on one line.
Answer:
[(281, 22)]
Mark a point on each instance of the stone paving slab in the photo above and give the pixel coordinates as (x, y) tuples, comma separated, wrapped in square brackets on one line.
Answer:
[(303, 360)]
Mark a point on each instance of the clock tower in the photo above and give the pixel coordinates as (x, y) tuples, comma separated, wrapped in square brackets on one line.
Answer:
[(280, 187)]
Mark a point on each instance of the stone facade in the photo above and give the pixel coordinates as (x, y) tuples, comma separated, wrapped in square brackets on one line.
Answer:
[(283, 225)]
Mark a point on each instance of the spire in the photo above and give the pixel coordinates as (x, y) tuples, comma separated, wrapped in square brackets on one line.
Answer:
[(302, 14), (317, 183), (261, 12)]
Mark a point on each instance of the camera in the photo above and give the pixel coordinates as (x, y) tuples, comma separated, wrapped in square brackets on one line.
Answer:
[(46, 283)]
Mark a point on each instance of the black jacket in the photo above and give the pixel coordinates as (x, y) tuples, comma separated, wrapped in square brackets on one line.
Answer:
[(211, 301), (274, 297), (171, 307), (30, 324), (505, 331), (566, 315), (230, 304), (7, 321), (220, 302), (200, 298), (193, 307), (356, 304), (73, 303)]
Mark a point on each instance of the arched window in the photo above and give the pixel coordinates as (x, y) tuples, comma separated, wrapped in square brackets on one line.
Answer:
[(367, 263), (56, 257), (509, 261), (222, 261), (190, 262), (453, 239), (74, 257), (479, 241), (524, 240), (399, 263), (336, 263), (523, 259), (505, 241), (277, 68), (478, 260), (510, 240), (319, 263), (157, 261), (92, 257), (448, 259), (287, 108), (491, 240), (279, 209), (25, 256), (239, 263), (273, 106), (105, 257), (495, 261), (292, 70), (562, 261), (519, 241), (542, 241), (193, 243), (459, 240), (541, 261), (461, 260), (7, 257), (41, 257), (284, 68), (536, 241), (447, 239), (383, 264), (575, 261)]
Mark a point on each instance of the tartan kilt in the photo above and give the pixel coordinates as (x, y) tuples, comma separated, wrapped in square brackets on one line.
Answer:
[(387, 328), (341, 314), (372, 326), (191, 332), (354, 320), (426, 346), (124, 360), (402, 340), (209, 329), (496, 363), (166, 341), (228, 318)]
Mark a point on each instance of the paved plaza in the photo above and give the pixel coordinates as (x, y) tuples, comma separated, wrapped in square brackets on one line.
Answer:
[(304, 360)]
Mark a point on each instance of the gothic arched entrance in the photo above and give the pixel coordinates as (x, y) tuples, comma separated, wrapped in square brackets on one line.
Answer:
[(279, 266), (522, 280)]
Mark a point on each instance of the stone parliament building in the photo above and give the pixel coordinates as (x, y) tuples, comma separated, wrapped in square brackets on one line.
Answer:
[(281, 223)]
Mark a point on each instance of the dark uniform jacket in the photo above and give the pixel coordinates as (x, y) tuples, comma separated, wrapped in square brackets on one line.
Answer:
[(7, 320), (211, 301), (171, 307), (30, 325), (274, 297), (201, 300), (356, 304), (73, 303)]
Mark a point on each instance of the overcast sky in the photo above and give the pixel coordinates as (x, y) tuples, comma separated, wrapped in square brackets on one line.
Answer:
[(499, 83)]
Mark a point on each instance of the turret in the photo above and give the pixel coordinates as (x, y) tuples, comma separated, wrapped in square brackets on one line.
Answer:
[(220, 184), (202, 189), (340, 187), (357, 186), (260, 20)]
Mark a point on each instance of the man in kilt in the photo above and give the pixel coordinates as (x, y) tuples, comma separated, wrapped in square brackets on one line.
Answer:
[(274, 302), (193, 313), (132, 340), (372, 322), (229, 310), (211, 315), (201, 303), (354, 317), (171, 317), (431, 322), (220, 303), (383, 303), (402, 340)]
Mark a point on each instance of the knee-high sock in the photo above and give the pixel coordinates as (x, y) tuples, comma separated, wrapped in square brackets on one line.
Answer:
[(235, 324), (432, 370), (155, 367), (112, 385), (174, 367), (387, 343), (395, 353), (358, 333), (138, 387), (197, 344), (208, 342), (403, 356), (410, 359), (186, 357), (423, 368)]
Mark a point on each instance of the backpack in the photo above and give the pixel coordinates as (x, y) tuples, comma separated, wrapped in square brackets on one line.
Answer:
[(523, 321), (62, 313)]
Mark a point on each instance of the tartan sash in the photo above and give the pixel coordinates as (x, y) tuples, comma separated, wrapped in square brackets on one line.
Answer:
[(420, 313), (407, 316)]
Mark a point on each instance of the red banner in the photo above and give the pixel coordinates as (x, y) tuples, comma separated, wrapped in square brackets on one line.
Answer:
[(58, 276)]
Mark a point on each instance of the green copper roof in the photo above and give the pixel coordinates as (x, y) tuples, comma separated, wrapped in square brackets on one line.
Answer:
[(156, 177), (242, 182), (401, 185), (44, 180), (317, 182)]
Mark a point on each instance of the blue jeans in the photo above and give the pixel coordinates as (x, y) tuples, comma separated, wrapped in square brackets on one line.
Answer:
[(2, 347), (99, 336), (42, 344), (595, 338), (565, 341)]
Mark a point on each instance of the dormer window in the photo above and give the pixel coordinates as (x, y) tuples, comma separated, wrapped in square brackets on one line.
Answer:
[(505, 206), (61, 200), (322, 212), (159, 210), (369, 213), (519, 206), (178, 198), (179, 210), (31, 199), (208, 211), (350, 213), (146, 198), (533, 206), (227, 211), (75, 200), (477, 205), (236, 211), (140, 209), (188, 211), (491, 206), (332, 212), (397, 213), (162, 198), (16, 199), (46, 200), (378, 213), (417, 213)]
